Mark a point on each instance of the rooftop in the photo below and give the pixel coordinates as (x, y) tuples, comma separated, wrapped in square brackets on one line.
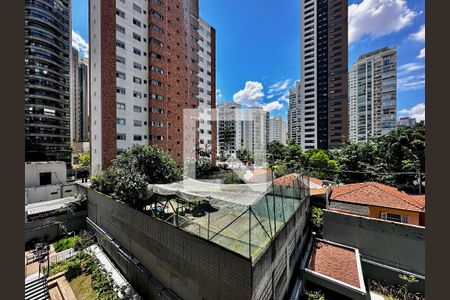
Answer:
[(377, 194), (337, 262), (46, 206)]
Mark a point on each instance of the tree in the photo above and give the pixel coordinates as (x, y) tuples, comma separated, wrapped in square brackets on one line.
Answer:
[(293, 157), (317, 219), (131, 172), (408, 279), (275, 153), (244, 155), (85, 159), (315, 295), (321, 165)]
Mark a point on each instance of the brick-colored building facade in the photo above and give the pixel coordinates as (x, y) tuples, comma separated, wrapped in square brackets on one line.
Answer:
[(144, 72)]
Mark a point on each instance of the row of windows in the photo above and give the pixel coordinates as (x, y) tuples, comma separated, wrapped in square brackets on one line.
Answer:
[(138, 137)]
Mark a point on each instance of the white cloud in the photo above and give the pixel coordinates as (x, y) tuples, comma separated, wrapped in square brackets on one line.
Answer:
[(377, 18), (419, 35), (80, 44), (278, 87), (275, 105), (408, 68), (422, 53), (413, 82), (417, 111), (219, 95), (251, 95)]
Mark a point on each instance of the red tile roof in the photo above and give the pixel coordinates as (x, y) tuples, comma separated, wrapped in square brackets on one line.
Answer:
[(288, 180), (337, 262), (377, 194)]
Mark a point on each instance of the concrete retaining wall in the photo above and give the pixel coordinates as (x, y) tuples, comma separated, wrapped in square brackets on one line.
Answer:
[(190, 266), (48, 228), (396, 245), (49, 192)]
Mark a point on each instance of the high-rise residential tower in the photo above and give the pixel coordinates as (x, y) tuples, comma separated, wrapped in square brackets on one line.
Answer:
[(229, 128), (82, 105), (47, 80), (254, 129), (324, 51), (277, 130), (207, 88), (294, 115), (373, 94), (144, 71)]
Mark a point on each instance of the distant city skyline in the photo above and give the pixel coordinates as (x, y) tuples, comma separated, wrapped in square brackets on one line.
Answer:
[(261, 70)]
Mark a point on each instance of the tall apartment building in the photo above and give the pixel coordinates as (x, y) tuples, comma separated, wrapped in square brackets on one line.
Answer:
[(324, 51), (294, 114), (277, 130), (406, 122), (254, 129), (47, 80), (229, 128), (73, 90), (373, 94), (144, 71), (82, 107), (207, 87)]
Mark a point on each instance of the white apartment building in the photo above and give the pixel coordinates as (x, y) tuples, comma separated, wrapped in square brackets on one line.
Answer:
[(294, 114), (277, 130), (206, 90), (373, 95), (229, 128), (254, 129)]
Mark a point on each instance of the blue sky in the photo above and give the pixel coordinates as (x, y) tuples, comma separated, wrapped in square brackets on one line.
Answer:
[(258, 46)]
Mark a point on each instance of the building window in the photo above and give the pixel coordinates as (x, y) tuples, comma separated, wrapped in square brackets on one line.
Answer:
[(137, 123), (120, 44), (137, 94), (121, 136), (394, 217), (45, 178), (120, 59), (156, 82), (157, 97), (121, 121), (120, 106), (137, 109), (157, 138), (120, 13), (137, 37), (137, 22), (156, 28), (120, 29), (136, 51), (120, 75), (137, 80), (157, 110), (120, 90), (137, 66), (157, 124), (137, 137), (156, 15), (157, 69), (155, 55), (136, 8), (156, 42)]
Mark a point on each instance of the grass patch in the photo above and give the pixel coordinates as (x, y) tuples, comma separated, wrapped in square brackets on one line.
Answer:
[(65, 243), (82, 287)]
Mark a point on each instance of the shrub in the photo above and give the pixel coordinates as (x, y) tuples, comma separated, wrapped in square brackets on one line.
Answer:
[(73, 270)]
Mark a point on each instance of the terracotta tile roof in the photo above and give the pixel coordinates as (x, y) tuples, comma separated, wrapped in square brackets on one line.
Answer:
[(316, 192), (287, 180), (334, 261), (377, 194)]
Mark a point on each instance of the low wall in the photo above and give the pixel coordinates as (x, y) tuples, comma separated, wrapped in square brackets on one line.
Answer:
[(49, 192), (192, 267), (396, 245), (48, 228)]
